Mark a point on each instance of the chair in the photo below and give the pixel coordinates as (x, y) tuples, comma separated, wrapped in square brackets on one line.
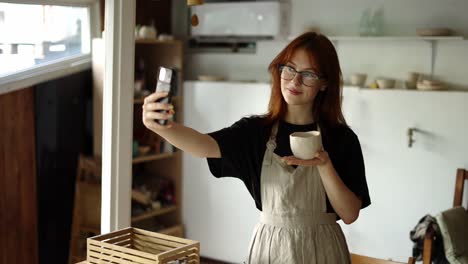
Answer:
[(461, 176), (359, 259), (87, 206)]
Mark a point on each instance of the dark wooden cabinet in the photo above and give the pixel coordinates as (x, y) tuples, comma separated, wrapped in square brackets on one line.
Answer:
[(18, 207), (62, 124)]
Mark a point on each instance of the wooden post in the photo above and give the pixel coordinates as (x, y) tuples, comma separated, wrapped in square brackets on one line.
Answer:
[(117, 135)]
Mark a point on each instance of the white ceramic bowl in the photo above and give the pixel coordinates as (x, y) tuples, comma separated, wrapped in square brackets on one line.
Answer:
[(211, 78), (304, 145), (358, 79), (386, 83), (428, 85)]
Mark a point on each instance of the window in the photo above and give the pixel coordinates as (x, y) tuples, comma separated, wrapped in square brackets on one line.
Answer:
[(41, 39)]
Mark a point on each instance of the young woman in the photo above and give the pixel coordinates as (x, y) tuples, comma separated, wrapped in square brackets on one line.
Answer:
[(300, 200)]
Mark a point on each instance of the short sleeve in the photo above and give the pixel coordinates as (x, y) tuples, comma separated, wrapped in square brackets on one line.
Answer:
[(353, 171), (235, 150)]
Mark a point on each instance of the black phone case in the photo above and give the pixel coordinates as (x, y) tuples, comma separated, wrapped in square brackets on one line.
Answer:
[(168, 86)]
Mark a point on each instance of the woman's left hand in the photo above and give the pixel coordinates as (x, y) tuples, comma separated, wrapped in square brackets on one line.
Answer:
[(321, 158)]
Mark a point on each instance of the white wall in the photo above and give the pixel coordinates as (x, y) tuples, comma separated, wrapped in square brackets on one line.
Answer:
[(218, 212), (404, 183), (402, 17), (376, 58)]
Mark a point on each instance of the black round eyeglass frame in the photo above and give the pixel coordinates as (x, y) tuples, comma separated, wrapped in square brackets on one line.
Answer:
[(282, 66)]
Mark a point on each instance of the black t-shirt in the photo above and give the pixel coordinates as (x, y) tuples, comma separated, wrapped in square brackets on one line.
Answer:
[(243, 146)]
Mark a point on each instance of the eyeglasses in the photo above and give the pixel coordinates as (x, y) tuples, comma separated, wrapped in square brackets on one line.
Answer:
[(308, 78)]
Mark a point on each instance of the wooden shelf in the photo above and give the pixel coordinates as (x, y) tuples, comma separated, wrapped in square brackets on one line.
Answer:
[(153, 157), (156, 41), (387, 38), (142, 99), (176, 230), (164, 210), (139, 100), (395, 38)]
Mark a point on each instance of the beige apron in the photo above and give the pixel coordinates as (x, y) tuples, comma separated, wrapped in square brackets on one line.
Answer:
[(294, 226)]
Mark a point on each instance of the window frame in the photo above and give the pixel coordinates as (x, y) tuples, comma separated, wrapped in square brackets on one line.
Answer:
[(58, 68)]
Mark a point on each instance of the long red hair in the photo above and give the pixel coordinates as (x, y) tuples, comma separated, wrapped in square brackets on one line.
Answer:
[(327, 104)]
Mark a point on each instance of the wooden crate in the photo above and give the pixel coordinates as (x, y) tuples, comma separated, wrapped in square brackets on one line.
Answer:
[(133, 245)]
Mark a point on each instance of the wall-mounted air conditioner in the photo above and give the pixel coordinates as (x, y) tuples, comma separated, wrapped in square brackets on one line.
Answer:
[(240, 22)]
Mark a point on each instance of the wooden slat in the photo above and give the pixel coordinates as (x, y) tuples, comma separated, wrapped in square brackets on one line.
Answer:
[(186, 253), (96, 245), (99, 259), (143, 248), (153, 251), (153, 240), (114, 240), (107, 253), (111, 234), (151, 247), (175, 251), (428, 239), (166, 237), (125, 243), (459, 186), (164, 210), (153, 157)]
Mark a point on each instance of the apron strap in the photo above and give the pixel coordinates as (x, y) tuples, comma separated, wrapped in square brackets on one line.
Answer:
[(271, 145), (274, 131)]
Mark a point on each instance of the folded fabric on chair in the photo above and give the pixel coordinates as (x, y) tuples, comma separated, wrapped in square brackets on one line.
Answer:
[(453, 225), (417, 236)]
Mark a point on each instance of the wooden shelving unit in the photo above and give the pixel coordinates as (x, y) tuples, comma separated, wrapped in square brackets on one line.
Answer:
[(156, 164), (176, 230), (167, 165), (161, 211), (156, 41), (152, 157), (141, 100)]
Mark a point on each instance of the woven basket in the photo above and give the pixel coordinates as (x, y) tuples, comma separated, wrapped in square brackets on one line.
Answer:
[(133, 245)]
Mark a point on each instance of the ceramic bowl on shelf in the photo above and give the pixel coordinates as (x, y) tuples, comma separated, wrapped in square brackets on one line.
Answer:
[(386, 83), (358, 79), (211, 78), (430, 85), (143, 150), (433, 32), (410, 85)]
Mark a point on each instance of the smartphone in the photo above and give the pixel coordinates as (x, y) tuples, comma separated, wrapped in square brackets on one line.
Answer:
[(167, 82)]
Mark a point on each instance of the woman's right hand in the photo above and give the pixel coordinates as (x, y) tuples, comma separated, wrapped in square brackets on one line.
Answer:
[(152, 112)]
